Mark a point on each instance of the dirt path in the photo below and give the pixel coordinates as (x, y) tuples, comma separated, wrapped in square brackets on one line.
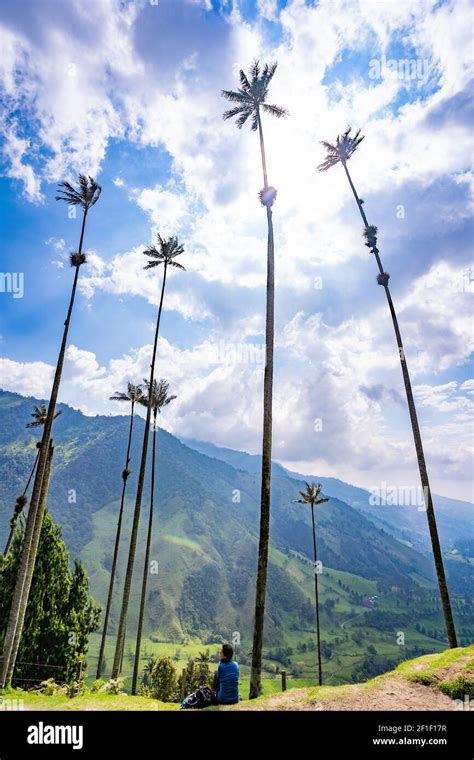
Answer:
[(392, 694)]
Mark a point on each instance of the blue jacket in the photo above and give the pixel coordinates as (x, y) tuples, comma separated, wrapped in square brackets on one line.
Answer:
[(227, 686)]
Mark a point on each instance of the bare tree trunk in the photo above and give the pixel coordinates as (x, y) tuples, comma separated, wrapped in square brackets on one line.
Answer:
[(125, 474), (117, 666), (35, 544), (264, 537), (28, 553), (318, 630), (146, 568), (430, 514)]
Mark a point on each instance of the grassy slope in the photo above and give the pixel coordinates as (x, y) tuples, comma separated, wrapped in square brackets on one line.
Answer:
[(433, 680), (449, 673)]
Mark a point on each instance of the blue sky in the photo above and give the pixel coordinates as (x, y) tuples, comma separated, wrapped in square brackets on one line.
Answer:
[(130, 93)]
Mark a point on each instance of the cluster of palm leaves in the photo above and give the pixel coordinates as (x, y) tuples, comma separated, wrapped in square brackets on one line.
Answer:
[(250, 103)]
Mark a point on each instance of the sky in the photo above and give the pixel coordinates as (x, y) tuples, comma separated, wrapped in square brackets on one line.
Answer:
[(129, 91)]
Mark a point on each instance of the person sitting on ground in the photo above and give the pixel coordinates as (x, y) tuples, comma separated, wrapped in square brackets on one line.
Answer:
[(227, 677)]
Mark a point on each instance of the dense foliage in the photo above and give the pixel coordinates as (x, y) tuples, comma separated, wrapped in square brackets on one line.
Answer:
[(60, 613)]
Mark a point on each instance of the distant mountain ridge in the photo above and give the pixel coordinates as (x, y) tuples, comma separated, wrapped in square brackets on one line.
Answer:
[(205, 539), (455, 516)]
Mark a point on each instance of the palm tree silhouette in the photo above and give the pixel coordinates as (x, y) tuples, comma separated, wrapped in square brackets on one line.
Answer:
[(312, 496), (85, 195), (250, 101), (39, 418), (159, 399), (340, 152), (132, 396), (164, 254)]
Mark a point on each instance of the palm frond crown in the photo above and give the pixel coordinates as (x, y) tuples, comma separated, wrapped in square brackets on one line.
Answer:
[(165, 252), (85, 194), (159, 395), (39, 415), (312, 495), (252, 95), (133, 394), (341, 151)]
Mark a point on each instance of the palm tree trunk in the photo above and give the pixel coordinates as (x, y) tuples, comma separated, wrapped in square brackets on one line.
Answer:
[(10, 536), (28, 552), (15, 519), (125, 474), (117, 666), (32, 469), (35, 544), (318, 630), (145, 566), (430, 514), (261, 584), (262, 151)]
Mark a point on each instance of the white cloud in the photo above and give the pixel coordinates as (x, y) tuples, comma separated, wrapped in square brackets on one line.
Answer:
[(27, 378), (14, 150), (59, 247), (268, 9), (165, 208)]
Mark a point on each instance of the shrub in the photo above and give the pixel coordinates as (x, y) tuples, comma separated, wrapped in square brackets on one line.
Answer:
[(163, 680), (75, 688), (204, 674), (97, 685), (198, 674), (114, 686), (50, 687)]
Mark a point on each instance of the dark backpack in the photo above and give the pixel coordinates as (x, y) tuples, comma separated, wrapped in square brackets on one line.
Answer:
[(203, 697)]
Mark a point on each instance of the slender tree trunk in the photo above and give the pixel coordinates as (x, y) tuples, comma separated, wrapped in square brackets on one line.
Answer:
[(146, 568), (430, 514), (117, 666), (28, 553), (35, 543), (10, 536), (261, 585), (262, 151), (125, 475), (316, 595), (15, 518)]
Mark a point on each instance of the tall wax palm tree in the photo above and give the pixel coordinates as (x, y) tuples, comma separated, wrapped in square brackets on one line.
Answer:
[(164, 254), (36, 532), (159, 399), (85, 195), (341, 152), (133, 395), (250, 100), (312, 496), (39, 417)]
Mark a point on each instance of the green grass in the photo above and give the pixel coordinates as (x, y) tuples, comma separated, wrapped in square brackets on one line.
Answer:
[(433, 662), (88, 701)]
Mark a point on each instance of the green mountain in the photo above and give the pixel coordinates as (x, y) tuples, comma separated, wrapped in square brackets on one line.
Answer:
[(392, 512), (374, 585)]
